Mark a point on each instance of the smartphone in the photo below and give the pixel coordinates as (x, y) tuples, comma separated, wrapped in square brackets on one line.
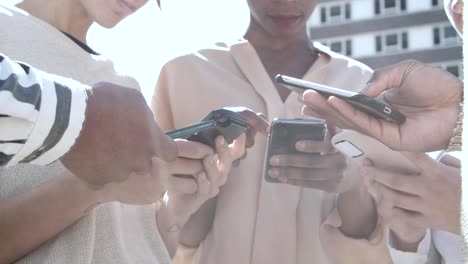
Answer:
[(284, 133), (362, 102), (225, 122), (358, 147)]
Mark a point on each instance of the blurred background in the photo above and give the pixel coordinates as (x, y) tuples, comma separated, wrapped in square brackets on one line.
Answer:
[(376, 32)]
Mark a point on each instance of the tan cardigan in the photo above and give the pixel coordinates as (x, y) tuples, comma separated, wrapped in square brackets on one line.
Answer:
[(113, 232), (255, 221)]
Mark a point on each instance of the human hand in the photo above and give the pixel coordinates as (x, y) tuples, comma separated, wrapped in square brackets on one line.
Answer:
[(257, 124), (414, 202), (143, 188), (342, 249), (207, 171), (119, 137), (317, 165), (428, 96)]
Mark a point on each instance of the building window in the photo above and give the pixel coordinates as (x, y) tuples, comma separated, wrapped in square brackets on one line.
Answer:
[(347, 11), (378, 43), (340, 46), (336, 46), (323, 15), (445, 35), (435, 2), (334, 13), (390, 3), (454, 69), (349, 48), (391, 42), (389, 7)]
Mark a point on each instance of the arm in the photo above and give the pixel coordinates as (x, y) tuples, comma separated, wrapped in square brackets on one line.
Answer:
[(191, 228), (36, 112), (31, 218)]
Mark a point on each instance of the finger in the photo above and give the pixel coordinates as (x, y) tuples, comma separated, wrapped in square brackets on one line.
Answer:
[(193, 150), (203, 183), (328, 186), (399, 199), (160, 173), (257, 121), (311, 161), (415, 219), (423, 162), (237, 148), (389, 77), (285, 174), (182, 185), (318, 106), (363, 123), (407, 183), (224, 156), (186, 166), (164, 146), (451, 161), (313, 146), (211, 169)]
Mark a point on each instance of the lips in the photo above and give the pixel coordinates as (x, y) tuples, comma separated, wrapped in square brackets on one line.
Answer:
[(285, 21)]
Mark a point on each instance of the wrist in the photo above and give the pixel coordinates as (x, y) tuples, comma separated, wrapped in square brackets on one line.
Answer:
[(88, 195)]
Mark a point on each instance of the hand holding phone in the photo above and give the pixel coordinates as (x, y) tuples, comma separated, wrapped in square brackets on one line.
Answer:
[(223, 121), (362, 102), (285, 133)]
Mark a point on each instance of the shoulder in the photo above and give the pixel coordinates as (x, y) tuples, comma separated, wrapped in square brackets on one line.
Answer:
[(216, 56)]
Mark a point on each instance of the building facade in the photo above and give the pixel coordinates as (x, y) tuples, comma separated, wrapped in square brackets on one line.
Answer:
[(383, 32)]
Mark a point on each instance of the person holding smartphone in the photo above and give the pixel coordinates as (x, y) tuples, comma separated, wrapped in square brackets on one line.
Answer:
[(431, 98), (48, 215), (251, 220)]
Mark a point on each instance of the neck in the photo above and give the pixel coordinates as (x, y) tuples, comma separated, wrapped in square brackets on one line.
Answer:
[(261, 39), (68, 16)]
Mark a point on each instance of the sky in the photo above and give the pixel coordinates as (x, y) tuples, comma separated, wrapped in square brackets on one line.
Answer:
[(143, 42)]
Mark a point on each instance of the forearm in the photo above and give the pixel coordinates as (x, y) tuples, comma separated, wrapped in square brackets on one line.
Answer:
[(189, 230), (357, 212), (30, 219)]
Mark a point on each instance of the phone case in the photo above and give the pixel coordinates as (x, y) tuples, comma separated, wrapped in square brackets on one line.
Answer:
[(358, 147), (362, 102), (284, 133), (224, 122)]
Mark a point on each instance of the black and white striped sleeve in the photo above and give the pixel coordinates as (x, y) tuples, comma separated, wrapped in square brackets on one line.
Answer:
[(41, 115)]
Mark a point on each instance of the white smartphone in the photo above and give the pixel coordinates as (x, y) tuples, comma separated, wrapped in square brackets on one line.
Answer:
[(358, 147)]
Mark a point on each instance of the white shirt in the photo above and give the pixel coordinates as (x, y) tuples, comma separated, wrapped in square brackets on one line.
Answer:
[(41, 115)]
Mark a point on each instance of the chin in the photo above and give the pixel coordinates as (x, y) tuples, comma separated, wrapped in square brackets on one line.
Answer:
[(109, 23)]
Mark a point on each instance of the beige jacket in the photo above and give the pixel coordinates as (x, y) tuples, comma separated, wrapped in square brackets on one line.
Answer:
[(255, 221)]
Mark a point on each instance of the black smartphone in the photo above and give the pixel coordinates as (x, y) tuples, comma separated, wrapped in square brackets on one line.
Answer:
[(362, 102), (223, 121), (284, 133)]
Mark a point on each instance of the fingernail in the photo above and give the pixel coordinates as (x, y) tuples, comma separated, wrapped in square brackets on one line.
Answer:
[(273, 173), (275, 161), (221, 141), (301, 146)]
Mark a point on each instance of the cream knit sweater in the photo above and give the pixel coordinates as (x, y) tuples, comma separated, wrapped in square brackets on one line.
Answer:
[(113, 232)]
